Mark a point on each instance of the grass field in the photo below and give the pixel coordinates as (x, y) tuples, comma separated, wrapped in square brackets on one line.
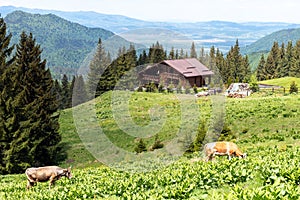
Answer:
[(267, 128), (284, 82)]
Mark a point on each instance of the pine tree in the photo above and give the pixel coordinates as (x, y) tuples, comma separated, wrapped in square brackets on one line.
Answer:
[(221, 67), (128, 75), (5, 49), (142, 58), (57, 91), (181, 54), (121, 73), (236, 63), (32, 127), (171, 54), (193, 53), (295, 68), (79, 91), (99, 63), (156, 53), (260, 76), (66, 96), (289, 57), (203, 57), (272, 63), (5, 106), (212, 59), (282, 63), (246, 70)]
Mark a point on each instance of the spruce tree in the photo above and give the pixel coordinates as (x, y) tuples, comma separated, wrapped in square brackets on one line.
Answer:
[(172, 54), (212, 57), (65, 93), (156, 53), (32, 127), (79, 91), (260, 76), (99, 63), (295, 68), (181, 54), (57, 91), (272, 63), (289, 57), (193, 53), (282, 63), (5, 108)]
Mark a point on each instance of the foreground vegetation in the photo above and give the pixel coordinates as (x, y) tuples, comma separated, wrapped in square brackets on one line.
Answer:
[(265, 127), (269, 172)]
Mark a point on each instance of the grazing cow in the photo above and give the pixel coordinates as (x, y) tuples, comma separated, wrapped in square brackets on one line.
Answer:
[(222, 149), (43, 174)]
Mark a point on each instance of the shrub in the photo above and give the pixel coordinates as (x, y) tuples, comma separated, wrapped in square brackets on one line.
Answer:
[(157, 144), (141, 146), (293, 88)]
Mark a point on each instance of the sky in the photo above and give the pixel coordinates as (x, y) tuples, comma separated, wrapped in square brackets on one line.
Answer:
[(178, 10)]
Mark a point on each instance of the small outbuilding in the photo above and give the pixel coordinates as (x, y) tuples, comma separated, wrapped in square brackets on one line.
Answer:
[(187, 72)]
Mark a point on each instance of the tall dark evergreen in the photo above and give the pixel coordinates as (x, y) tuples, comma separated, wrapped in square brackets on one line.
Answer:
[(156, 53), (260, 75), (31, 129), (5, 48), (272, 62), (236, 63), (127, 79), (66, 96), (79, 94), (172, 54), (289, 57), (99, 63), (193, 53), (295, 68), (212, 58), (5, 107), (181, 54), (121, 73)]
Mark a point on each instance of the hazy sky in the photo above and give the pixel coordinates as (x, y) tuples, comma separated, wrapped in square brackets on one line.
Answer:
[(178, 10)]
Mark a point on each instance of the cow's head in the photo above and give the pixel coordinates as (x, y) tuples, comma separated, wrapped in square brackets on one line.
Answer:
[(67, 172)]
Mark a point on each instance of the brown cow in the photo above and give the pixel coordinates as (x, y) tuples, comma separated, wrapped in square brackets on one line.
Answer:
[(222, 149), (48, 173)]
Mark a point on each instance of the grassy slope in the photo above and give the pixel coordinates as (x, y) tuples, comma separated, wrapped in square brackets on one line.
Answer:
[(267, 129), (284, 82), (248, 118)]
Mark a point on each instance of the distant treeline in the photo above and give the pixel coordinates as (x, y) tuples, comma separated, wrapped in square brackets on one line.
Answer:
[(280, 62)]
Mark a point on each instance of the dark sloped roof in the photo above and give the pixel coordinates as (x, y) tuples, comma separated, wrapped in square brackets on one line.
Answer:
[(189, 67)]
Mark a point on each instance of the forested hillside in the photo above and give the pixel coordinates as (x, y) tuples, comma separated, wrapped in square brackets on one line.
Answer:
[(65, 44), (264, 44)]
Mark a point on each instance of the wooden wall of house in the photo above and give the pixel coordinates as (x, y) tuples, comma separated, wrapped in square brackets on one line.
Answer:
[(198, 81)]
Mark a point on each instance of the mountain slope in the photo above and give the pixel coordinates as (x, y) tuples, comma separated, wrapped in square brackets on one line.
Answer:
[(65, 44), (218, 33), (265, 44)]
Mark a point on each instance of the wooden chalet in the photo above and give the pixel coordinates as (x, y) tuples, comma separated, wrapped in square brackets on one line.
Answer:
[(188, 72)]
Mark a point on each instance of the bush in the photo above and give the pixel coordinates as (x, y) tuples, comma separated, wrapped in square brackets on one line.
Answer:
[(195, 89), (293, 88), (157, 144), (141, 146)]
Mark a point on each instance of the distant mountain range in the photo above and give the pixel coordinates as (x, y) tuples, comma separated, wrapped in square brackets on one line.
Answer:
[(265, 43), (68, 39), (66, 45), (221, 34)]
